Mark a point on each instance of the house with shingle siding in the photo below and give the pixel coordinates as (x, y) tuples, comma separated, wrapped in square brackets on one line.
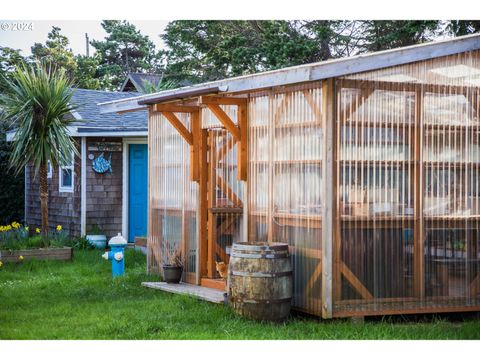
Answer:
[(80, 197)]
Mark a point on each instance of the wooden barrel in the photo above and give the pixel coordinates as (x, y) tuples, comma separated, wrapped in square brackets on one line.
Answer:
[(260, 280)]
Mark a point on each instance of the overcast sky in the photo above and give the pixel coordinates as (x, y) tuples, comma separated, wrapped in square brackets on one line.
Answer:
[(75, 31)]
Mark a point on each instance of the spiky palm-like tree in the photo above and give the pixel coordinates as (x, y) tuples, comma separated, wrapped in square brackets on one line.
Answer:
[(36, 101)]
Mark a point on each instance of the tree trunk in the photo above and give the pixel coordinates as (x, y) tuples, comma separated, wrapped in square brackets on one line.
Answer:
[(44, 201)]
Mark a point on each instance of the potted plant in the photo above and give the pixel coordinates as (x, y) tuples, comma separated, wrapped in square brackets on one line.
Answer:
[(173, 266), (97, 237)]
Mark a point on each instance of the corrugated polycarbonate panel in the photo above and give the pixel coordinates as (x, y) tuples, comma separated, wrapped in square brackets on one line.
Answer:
[(172, 197), (226, 205), (209, 120), (284, 197), (407, 189)]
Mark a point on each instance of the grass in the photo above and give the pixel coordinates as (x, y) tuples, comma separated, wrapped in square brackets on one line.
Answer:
[(79, 300)]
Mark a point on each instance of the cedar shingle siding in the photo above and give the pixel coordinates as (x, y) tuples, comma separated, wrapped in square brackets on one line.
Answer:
[(104, 197), (104, 193), (63, 207)]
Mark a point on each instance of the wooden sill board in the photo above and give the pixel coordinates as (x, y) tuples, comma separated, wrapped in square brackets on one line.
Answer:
[(217, 284), (203, 293)]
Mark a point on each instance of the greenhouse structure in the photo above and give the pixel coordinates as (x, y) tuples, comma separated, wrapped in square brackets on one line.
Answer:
[(367, 166)]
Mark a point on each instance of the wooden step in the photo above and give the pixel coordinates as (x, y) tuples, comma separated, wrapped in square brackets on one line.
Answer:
[(200, 292)]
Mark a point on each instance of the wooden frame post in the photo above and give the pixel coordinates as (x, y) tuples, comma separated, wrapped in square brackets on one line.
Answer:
[(211, 201), (418, 237), (203, 203), (195, 148), (242, 150), (329, 197)]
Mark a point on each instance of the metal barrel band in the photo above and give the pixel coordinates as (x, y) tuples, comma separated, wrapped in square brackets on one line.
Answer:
[(261, 274), (257, 247), (260, 301), (259, 256)]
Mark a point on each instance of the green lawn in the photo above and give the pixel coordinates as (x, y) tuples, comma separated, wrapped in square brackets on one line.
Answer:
[(79, 300)]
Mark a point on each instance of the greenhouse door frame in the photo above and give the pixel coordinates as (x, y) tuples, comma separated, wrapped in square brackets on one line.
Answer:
[(210, 180), (201, 170)]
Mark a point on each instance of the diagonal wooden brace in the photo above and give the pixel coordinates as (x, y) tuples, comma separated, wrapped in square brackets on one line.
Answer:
[(239, 133), (177, 124), (225, 120)]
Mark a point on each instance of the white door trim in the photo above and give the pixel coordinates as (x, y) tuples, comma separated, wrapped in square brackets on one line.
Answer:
[(125, 184)]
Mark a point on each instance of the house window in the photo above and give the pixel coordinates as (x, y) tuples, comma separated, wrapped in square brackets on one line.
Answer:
[(49, 170), (66, 177)]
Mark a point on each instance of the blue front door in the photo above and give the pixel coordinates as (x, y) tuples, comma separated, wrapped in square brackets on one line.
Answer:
[(137, 191)]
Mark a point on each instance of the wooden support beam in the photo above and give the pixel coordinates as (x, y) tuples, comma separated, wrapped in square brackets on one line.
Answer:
[(365, 93), (195, 148), (219, 100), (227, 190), (227, 224), (356, 284), (313, 279), (329, 196), (176, 108), (239, 133), (407, 86), (281, 108), (221, 253), (203, 203), (212, 218), (225, 149), (418, 237), (223, 117), (475, 286), (312, 104), (177, 124), (242, 150)]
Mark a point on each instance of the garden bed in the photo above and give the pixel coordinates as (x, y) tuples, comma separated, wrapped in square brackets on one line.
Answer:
[(62, 253)]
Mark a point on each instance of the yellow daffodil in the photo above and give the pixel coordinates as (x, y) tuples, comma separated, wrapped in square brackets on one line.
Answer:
[(21, 258), (1, 264), (26, 228), (15, 225), (37, 230), (59, 227)]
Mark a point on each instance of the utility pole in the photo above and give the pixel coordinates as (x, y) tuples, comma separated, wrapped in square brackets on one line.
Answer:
[(87, 43)]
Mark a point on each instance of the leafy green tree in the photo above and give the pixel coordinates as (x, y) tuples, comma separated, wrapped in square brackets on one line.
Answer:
[(55, 52), (379, 35), (83, 70), (124, 50), (10, 59), (208, 50), (37, 102), (463, 27), (86, 75), (200, 50)]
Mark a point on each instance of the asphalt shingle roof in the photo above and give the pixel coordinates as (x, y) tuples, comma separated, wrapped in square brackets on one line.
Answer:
[(86, 102)]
